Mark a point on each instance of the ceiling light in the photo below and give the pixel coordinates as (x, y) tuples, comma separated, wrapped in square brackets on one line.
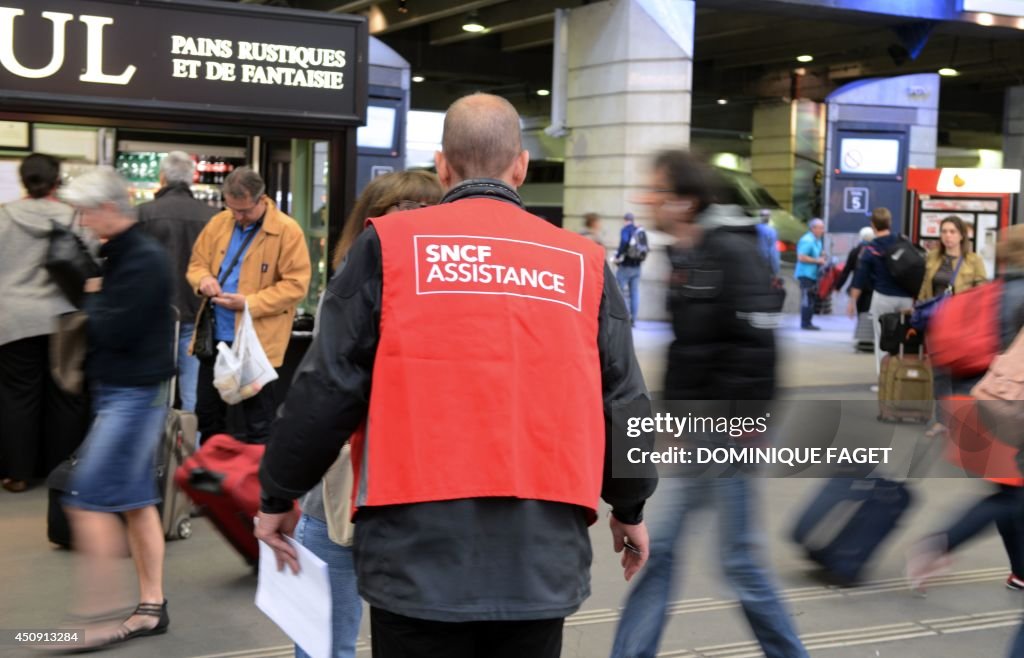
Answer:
[(473, 24), (543, 92), (723, 101), (418, 78), (986, 19), (948, 72), (803, 59)]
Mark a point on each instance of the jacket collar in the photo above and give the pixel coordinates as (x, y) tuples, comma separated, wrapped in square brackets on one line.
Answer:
[(174, 188), (271, 223), (483, 188), (120, 243)]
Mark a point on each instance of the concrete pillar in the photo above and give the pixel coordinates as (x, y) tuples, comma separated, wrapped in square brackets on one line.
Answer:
[(629, 80), (1013, 137), (789, 142)]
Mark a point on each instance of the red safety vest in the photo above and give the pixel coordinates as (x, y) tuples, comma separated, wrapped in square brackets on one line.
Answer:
[(487, 379)]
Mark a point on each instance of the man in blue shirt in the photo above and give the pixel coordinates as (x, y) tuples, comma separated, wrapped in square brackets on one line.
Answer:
[(809, 260), (628, 271), (768, 238), (872, 274)]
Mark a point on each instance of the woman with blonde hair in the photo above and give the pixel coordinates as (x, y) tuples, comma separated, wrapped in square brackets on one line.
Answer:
[(404, 190), (950, 268)]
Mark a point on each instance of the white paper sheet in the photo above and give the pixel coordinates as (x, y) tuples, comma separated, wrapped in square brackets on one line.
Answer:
[(300, 604)]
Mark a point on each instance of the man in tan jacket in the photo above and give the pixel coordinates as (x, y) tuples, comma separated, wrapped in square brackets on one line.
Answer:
[(271, 275)]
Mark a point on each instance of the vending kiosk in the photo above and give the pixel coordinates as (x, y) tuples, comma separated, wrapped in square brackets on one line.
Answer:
[(984, 199)]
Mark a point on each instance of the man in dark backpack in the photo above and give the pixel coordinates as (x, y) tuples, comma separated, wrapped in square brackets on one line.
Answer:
[(874, 274), (633, 249)]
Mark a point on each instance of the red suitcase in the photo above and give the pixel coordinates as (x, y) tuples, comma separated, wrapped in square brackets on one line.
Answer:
[(223, 478)]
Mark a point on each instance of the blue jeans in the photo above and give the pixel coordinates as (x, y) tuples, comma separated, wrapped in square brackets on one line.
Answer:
[(628, 279), (644, 617), (188, 369), (808, 300), (346, 606), (1017, 650)]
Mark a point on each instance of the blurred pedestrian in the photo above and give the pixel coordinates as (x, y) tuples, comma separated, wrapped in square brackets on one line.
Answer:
[(810, 259), (395, 192), (129, 365), (453, 340), (723, 306), (271, 277), (41, 424), (1005, 506), (632, 251), (768, 242), (592, 227), (175, 218)]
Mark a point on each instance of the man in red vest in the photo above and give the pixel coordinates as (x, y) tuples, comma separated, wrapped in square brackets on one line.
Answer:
[(476, 353)]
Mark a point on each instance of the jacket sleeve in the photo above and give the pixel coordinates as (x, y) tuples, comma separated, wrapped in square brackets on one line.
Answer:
[(623, 243), (622, 383), (200, 265), (931, 266), (329, 396), (294, 271), (863, 277), (980, 275)]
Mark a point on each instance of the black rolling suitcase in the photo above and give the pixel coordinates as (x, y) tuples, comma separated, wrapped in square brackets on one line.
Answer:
[(847, 521)]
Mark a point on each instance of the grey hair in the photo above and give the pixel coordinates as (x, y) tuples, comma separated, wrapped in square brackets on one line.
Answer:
[(177, 167), (99, 187), (244, 182), (867, 234), (815, 222)]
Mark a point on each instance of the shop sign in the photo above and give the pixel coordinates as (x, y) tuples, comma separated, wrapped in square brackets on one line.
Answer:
[(194, 58)]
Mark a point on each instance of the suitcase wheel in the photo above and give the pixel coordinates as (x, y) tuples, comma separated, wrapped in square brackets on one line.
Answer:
[(184, 530)]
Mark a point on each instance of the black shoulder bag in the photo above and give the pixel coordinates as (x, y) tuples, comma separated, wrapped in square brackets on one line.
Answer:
[(69, 262), (204, 346)]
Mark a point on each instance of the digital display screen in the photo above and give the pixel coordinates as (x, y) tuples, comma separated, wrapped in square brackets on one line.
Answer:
[(379, 131), (875, 157)]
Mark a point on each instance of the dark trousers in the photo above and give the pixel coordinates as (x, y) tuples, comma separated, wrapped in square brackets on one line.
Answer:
[(1006, 508), (212, 411), (40, 425), (395, 636), (808, 300)]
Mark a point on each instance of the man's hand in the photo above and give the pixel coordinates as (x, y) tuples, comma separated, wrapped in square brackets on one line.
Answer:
[(635, 555), (209, 287), (271, 529), (230, 301), (851, 308), (95, 284), (822, 260)]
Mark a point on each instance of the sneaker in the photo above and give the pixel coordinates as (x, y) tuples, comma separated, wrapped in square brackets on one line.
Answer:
[(1014, 583), (810, 327), (926, 560)]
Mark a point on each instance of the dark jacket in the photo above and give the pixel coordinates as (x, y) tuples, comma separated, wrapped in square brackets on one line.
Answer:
[(624, 237), (873, 274), (852, 259), (130, 329), (459, 560), (176, 219), (723, 309)]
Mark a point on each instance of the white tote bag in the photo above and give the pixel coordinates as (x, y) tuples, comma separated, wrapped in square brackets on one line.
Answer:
[(242, 370)]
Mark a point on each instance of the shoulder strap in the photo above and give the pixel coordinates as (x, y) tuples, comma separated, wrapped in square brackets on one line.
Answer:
[(238, 254)]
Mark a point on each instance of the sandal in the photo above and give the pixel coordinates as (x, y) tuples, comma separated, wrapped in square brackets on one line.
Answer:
[(124, 633), (937, 430)]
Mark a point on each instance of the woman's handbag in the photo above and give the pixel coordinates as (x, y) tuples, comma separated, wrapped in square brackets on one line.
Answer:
[(69, 262), (925, 311), (337, 493), (67, 352)]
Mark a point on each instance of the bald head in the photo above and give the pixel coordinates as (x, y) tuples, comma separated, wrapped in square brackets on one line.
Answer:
[(481, 139)]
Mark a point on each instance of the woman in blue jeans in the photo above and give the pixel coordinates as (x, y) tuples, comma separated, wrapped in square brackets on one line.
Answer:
[(740, 543), (404, 190)]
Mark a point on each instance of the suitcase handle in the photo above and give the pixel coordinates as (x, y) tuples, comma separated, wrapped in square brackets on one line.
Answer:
[(201, 479)]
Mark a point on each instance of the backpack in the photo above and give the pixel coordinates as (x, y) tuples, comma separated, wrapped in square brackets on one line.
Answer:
[(905, 262), (1001, 395), (637, 247), (963, 335)]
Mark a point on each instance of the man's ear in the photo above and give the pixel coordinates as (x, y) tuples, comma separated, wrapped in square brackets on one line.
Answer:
[(519, 167), (444, 172)]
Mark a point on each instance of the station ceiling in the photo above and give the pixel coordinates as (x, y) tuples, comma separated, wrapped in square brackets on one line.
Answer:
[(745, 53)]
